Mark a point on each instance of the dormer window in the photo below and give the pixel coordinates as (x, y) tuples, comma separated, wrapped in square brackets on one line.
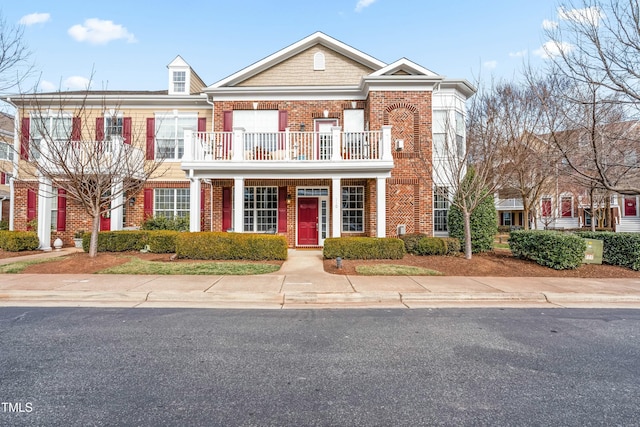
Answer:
[(179, 81)]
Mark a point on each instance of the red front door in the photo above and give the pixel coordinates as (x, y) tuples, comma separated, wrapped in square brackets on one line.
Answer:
[(630, 207), (105, 223), (307, 221)]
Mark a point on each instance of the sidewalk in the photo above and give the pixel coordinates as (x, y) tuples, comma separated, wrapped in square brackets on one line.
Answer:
[(303, 283)]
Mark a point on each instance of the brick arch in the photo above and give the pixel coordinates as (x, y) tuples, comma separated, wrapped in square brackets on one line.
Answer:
[(405, 119)]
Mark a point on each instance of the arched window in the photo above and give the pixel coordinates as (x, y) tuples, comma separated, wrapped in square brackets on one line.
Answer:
[(318, 61)]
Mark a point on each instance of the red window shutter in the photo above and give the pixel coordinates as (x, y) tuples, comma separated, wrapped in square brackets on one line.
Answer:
[(283, 122), (282, 209), (227, 121), (3, 178), (148, 203), (76, 129), (62, 210), (202, 194), (226, 208), (546, 207), (99, 128), (24, 139), (31, 206), (202, 124), (151, 136), (126, 130)]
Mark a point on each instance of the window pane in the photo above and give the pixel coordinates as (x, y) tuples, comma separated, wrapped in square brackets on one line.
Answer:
[(353, 209)]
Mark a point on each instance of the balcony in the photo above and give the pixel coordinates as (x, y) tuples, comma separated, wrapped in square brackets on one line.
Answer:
[(108, 157), (510, 204), (289, 153)]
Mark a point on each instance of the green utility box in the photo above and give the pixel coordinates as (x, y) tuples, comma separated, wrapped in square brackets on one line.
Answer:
[(593, 253)]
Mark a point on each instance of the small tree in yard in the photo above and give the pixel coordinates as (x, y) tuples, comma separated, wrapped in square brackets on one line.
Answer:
[(482, 226)]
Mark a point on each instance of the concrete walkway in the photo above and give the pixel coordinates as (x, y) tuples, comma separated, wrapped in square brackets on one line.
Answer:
[(303, 283)]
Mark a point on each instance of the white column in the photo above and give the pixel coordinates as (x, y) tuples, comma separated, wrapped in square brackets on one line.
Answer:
[(238, 145), (386, 143), (12, 203), (381, 208), (117, 210), (189, 145), (335, 144), (45, 193), (194, 204), (336, 207), (238, 205)]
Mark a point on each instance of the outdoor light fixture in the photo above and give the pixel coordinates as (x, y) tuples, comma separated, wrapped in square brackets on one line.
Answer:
[(326, 113), (301, 127), (288, 199), (399, 144), (132, 201)]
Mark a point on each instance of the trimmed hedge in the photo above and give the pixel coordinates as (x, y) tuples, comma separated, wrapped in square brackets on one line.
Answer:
[(177, 223), (221, 245), (363, 248), (16, 241), (431, 246), (162, 241), (411, 241), (617, 248), (559, 251)]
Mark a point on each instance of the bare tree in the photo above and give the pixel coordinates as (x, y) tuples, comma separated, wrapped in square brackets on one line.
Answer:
[(480, 150), (596, 48), (99, 173), (528, 164), (14, 56)]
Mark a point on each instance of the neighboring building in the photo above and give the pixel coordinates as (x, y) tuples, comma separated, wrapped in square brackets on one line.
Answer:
[(6, 167), (570, 204), (314, 141)]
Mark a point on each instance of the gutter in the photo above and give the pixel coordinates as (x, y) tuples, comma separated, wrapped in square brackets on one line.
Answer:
[(16, 153)]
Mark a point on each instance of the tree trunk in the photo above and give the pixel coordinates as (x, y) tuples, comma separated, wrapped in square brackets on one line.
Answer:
[(525, 218), (591, 208), (467, 233), (93, 244)]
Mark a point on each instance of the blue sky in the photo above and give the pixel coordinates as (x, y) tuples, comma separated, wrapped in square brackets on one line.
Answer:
[(128, 43)]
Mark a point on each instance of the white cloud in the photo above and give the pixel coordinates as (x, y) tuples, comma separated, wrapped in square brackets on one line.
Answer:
[(362, 4), (47, 86), (549, 25), (589, 15), (519, 54), (553, 48), (76, 83), (98, 31), (34, 18), (491, 65)]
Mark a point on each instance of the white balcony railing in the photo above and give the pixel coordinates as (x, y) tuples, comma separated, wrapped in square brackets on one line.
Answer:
[(91, 157), (514, 203), (288, 146)]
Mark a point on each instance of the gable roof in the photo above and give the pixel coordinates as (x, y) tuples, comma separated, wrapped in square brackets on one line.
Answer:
[(294, 49), (406, 66)]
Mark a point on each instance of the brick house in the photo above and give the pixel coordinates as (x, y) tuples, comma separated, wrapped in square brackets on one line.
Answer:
[(569, 203), (314, 141)]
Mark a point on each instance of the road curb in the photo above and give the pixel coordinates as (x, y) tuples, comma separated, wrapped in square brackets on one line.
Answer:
[(536, 297), (342, 298)]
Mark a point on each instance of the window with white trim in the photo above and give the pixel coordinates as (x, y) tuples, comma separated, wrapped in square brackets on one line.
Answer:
[(5, 149), (260, 209), (440, 209), (171, 202), (112, 126), (179, 81), (170, 133), (353, 209), (54, 210), (54, 127), (566, 205)]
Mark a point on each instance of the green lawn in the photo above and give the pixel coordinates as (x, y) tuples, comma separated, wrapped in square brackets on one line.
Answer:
[(137, 266), (19, 266), (395, 270)]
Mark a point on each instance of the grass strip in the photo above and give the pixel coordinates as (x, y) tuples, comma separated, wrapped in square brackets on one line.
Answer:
[(138, 266), (395, 270), (19, 266)]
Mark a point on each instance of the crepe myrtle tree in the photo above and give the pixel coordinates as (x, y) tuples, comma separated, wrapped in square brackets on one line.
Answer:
[(99, 171), (593, 53)]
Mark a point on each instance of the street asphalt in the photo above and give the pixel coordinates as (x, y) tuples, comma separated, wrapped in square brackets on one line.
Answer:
[(303, 283)]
